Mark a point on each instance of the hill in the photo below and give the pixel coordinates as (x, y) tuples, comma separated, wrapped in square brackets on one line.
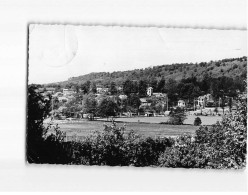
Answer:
[(233, 67)]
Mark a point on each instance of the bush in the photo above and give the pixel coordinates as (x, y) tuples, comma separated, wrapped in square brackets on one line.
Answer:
[(114, 147), (197, 121)]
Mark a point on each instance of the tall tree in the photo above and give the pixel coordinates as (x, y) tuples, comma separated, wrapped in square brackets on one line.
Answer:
[(142, 88), (113, 89), (107, 107), (127, 87), (90, 105), (93, 87), (161, 85)]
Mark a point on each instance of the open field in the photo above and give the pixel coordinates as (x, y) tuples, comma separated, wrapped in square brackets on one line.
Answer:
[(206, 120), (83, 128), (145, 126)]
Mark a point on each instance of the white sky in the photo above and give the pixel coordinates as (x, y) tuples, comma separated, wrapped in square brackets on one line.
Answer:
[(57, 52)]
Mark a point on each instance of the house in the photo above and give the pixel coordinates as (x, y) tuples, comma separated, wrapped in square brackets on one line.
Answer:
[(50, 90), (160, 95), (144, 102), (67, 92), (101, 90), (123, 97), (181, 103), (149, 91), (203, 100)]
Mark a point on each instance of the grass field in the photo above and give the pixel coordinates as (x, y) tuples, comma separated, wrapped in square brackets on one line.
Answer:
[(206, 120), (145, 126), (83, 128)]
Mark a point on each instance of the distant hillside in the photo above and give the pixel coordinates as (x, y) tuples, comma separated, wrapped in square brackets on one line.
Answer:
[(227, 67)]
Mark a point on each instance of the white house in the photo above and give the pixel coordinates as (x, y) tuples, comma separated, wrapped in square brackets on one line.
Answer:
[(149, 91), (181, 103)]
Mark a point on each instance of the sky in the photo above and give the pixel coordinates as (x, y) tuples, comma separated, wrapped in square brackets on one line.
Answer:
[(58, 52)]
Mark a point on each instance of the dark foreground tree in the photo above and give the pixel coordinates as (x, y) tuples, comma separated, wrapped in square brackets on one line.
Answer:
[(41, 147)]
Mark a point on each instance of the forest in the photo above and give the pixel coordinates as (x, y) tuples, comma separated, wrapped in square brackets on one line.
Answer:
[(233, 67)]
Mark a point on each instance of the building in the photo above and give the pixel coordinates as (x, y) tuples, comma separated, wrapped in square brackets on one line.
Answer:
[(50, 90), (101, 90), (203, 100), (181, 103), (149, 91), (67, 92), (160, 95), (144, 102)]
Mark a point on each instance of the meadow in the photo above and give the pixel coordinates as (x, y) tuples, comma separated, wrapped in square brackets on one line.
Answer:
[(84, 128), (145, 126)]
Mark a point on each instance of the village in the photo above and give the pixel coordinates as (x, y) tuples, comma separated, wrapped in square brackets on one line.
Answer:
[(67, 104)]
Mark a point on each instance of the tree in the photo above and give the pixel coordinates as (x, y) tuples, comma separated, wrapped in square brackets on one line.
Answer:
[(153, 84), (177, 116), (93, 87), (85, 87), (161, 85), (197, 121), (134, 102), (142, 88), (43, 148), (127, 87), (171, 90), (107, 107), (38, 109), (113, 89), (90, 105)]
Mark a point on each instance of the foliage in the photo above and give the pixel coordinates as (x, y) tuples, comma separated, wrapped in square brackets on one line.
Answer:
[(113, 89), (114, 147), (177, 116), (197, 121), (133, 101), (219, 146), (42, 148), (90, 105), (93, 87), (142, 88), (107, 107)]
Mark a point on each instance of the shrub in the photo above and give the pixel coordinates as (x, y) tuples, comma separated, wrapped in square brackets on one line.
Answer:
[(184, 153), (114, 147), (197, 121)]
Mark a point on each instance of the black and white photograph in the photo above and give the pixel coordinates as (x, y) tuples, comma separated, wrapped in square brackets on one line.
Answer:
[(123, 96), (137, 96)]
